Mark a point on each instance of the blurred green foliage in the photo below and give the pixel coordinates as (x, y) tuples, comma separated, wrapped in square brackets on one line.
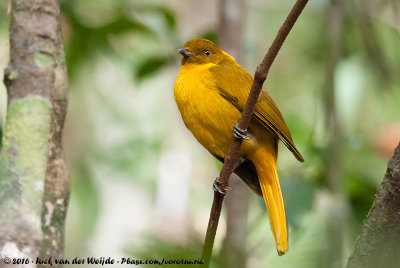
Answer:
[(131, 31)]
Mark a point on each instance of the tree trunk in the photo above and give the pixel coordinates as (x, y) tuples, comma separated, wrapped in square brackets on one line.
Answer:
[(237, 200), (237, 208), (333, 163), (378, 245), (34, 182)]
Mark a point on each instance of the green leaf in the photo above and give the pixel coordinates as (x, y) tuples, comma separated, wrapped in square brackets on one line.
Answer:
[(169, 17), (210, 35), (150, 66)]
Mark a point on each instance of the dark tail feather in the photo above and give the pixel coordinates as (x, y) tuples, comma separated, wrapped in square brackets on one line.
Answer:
[(246, 170)]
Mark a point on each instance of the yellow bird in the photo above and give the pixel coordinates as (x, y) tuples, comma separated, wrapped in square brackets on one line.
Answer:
[(211, 91)]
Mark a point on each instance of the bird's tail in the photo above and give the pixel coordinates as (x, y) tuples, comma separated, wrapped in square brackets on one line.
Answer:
[(265, 163)]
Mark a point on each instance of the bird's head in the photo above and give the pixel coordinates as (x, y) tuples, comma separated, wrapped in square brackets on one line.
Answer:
[(202, 51)]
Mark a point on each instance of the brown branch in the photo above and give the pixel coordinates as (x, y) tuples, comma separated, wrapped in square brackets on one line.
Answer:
[(379, 242), (244, 122)]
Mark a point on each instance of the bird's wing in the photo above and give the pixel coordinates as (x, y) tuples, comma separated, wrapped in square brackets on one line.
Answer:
[(266, 111)]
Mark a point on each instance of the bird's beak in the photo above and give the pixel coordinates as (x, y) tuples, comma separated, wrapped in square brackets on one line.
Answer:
[(184, 52)]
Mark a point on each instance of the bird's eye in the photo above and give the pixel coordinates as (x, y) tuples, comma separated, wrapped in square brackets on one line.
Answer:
[(207, 53)]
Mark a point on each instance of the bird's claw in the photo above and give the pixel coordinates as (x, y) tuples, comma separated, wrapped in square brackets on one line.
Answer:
[(240, 133), (217, 187)]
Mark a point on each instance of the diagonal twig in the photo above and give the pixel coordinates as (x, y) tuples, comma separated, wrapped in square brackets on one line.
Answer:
[(244, 122)]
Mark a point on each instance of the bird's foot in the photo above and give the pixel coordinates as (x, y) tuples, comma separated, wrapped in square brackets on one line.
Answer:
[(240, 133), (217, 187)]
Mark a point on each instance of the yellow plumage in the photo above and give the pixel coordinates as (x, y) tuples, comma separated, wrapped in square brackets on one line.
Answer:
[(211, 91)]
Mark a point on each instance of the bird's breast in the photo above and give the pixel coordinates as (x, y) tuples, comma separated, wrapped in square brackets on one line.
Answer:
[(208, 115)]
